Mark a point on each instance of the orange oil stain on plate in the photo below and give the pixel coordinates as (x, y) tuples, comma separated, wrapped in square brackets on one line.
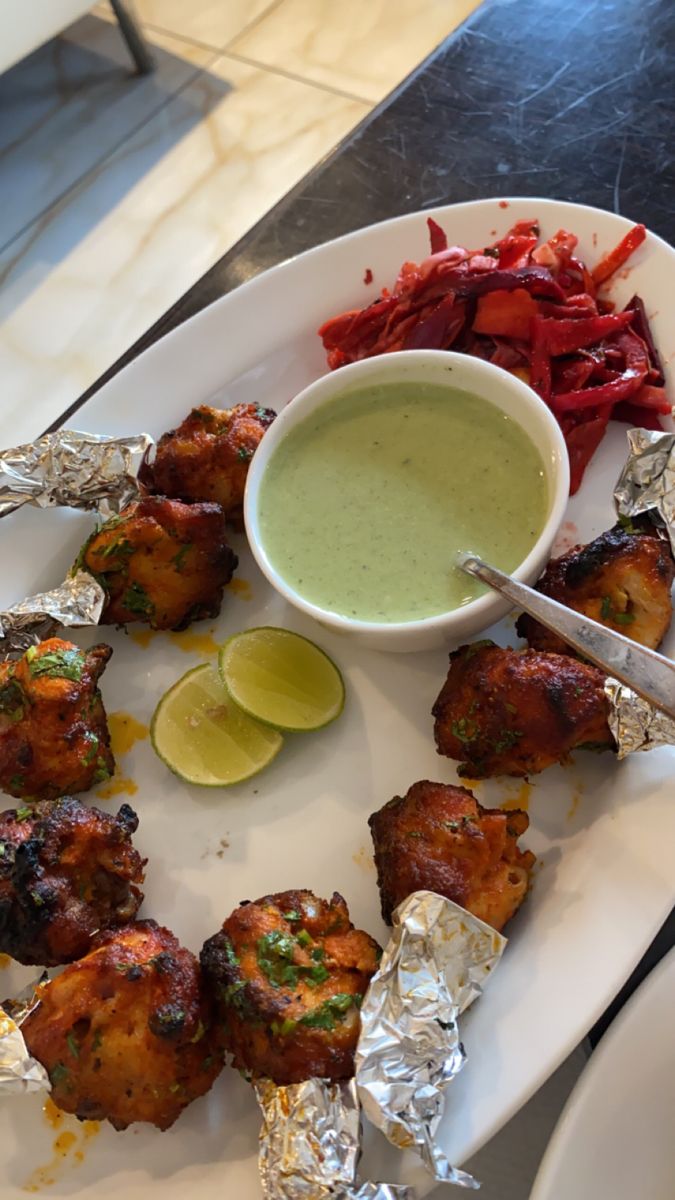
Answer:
[(119, 785), (142, 637), (521, 800), (241, 588), (571, 812), (363, 858), (67, 1148), (5, 960), (195, 643), (125, 731)]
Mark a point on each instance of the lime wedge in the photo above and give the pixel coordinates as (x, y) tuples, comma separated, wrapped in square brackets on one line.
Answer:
[(282, 679), (203, 737)]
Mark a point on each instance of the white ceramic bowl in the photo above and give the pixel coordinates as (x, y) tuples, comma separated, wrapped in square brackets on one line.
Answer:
[(503, 390)]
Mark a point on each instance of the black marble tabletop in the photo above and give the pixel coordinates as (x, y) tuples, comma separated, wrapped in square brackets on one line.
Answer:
[(571, 99)]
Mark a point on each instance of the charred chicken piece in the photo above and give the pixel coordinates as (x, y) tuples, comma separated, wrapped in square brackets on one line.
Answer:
[(207, 457), (66, 872), (54, 736), (161, 562), (438, 838), (504, 712), (623, 579), (289, 972), (125, 1033)]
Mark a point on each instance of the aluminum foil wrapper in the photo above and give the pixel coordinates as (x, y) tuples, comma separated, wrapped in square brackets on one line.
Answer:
[(78, 601), (636, 724), (436, 964), (647, 481), (310, 1144), (67, 469), (18, 1071)]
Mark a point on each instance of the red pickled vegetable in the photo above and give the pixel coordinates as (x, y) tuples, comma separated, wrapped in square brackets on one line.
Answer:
[(582, 442), (530, 309), (437, 236), (564, 337), (619, 255), (505, 314)]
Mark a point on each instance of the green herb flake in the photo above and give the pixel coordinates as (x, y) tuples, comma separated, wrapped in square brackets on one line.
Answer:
[(12, 701), (17, 782), (292, 916), (91, 753), (97, 1041), (283, 1028), (136, 600), (73, 1046), (201, 1030), (59, 664), (332, 1010), (275, 953), (178, 560), (303, 938), (463, 731), (228, 951), (58, 1073), (22, 813), (244, 454)]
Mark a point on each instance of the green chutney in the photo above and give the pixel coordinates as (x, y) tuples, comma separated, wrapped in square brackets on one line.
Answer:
[(364, 504)]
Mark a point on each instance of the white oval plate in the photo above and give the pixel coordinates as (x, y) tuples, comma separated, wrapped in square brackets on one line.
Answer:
[(604, 834), (615, 1136)]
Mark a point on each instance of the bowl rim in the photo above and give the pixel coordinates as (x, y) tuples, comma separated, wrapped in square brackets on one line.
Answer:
[(347, 378)]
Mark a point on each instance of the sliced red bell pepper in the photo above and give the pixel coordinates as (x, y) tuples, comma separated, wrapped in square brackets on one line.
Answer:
[(619, 255), (515, 248), (505, 314), (536, 280), (635, 369), (437, 236), (582, 442), (643, 330), (568, 336), (540, 362), (438, 330), (652, 397)]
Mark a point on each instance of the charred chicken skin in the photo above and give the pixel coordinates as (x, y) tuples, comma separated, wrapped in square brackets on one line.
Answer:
[(125, 1033), (505, 712), (66, 872), (623, 579), (289, 972), (54, 736), (207, 457), (438, 838), (161, 562)]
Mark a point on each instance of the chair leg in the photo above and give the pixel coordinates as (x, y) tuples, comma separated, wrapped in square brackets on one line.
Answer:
[(133, 37)]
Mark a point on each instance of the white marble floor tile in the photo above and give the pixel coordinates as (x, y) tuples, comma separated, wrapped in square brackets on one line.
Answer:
[(364, 47), (213, 22), (95, 271), (68, 105)]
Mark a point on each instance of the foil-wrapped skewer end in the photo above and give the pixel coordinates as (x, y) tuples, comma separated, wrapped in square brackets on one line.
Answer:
[(436, 964), (77, 602)]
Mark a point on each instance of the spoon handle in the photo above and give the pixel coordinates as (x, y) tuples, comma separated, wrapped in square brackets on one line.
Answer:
[(649, 674)]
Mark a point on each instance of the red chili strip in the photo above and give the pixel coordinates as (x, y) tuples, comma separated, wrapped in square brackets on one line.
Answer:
[(629, 382), (437, 236), (567, 336), (619, 255)]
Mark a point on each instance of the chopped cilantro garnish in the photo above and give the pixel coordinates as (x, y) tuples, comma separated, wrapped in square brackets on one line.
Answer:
[(228, 951), (283, 1028), (609, 613), (59, 664), (303, 937), (58, 1073), (276, 951), (97, 1041), (244, 454), (16, 782), (463, 731), (332, 1010), (12, 700), (22, 813), (178, 560), (93, 748), (292, 916), (136, 600), (73, 1046)]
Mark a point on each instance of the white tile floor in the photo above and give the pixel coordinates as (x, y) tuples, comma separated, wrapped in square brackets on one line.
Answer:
[(119, 192)]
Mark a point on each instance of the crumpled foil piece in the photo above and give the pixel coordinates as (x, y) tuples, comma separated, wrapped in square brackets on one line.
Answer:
[(636, 724), (647, 481), (435, 965), (310, 1143), (68, 469), (18, 1071), (78, 601)]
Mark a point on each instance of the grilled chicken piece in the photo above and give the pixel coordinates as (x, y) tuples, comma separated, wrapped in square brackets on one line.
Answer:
[(505, 712), (161, 562), (207, 457), (438, 838), (289, 972), (54, 737), (66, 872), (623, 579), (125, 1033)]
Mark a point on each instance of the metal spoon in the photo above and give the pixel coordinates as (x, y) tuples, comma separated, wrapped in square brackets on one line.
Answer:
[(649, 674)]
